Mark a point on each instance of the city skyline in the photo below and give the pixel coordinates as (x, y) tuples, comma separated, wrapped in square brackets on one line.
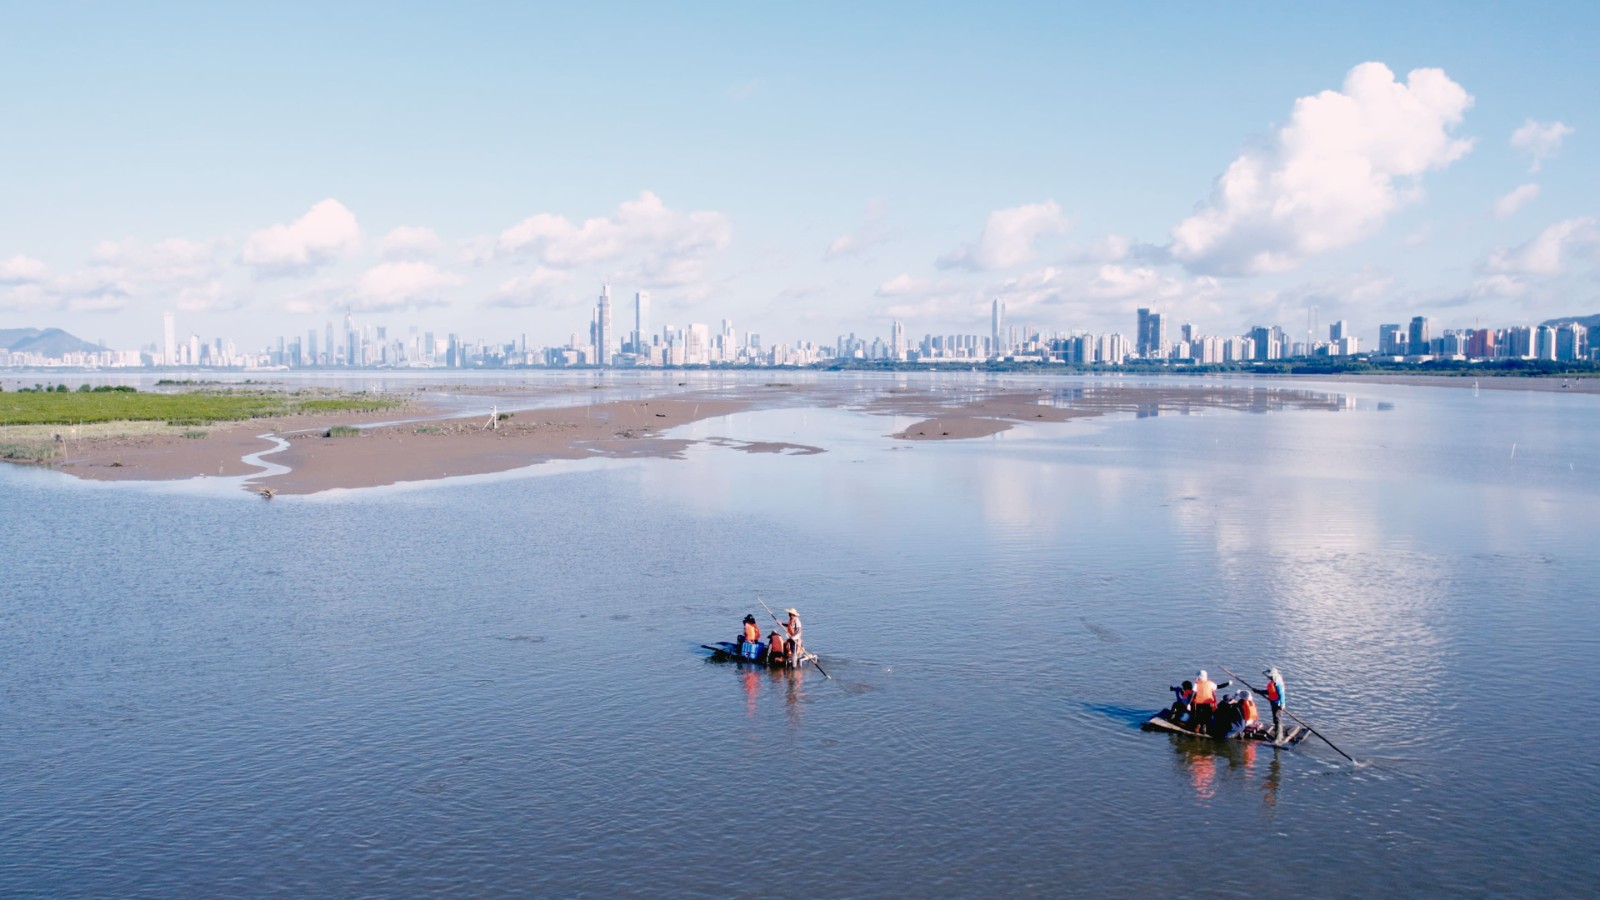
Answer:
[(1421, 339), (934, 172)]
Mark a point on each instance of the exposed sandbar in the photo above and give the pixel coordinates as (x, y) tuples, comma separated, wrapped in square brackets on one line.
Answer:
[(958, 414), (426, 440)]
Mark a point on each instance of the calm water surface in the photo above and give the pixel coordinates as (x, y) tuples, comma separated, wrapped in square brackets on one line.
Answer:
[(493, 685)]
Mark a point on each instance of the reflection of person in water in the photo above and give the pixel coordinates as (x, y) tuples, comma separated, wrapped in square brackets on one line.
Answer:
[(752, 687), (792, 694), (1202, 774), (1269, 787), (1269, 783)]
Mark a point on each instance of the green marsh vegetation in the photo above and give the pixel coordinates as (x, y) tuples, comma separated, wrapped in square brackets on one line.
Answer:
[(60, 406), (38, 423)]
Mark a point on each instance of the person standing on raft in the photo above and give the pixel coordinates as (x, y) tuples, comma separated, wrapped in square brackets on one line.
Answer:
[(1275, 696), (792, 631), (1205, 701)]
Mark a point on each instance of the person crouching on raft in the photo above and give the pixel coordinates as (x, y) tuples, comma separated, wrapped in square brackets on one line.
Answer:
[(1247, 711), (777, 650), (751, 634), (1183, 704), (1275, 697), (1226, 718)]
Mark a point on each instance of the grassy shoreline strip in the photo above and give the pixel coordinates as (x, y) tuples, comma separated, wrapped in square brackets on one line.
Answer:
[(188, 409)]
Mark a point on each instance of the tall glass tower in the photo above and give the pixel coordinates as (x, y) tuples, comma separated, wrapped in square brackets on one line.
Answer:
[(641, 321), (602, 327)]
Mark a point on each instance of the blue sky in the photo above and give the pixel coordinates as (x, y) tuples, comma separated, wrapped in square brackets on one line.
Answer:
[(805, 170)]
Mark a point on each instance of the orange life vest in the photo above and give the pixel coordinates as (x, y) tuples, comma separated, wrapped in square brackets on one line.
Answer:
[(1272, 692), (1248, 708), (752, 633), (1205, 692)]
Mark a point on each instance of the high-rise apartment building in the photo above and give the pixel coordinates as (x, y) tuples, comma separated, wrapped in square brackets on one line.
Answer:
[(1152, 334)]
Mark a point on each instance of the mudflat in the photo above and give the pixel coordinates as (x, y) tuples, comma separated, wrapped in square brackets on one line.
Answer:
[(424, 440)]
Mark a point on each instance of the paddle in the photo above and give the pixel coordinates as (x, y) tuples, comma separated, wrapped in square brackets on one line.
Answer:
[(1294, 717), (774, 616)]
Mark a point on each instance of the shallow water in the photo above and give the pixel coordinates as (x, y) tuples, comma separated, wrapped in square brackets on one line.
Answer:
[(493, 684)]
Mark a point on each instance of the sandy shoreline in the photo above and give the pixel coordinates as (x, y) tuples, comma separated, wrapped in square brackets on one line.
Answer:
[(425, 440)]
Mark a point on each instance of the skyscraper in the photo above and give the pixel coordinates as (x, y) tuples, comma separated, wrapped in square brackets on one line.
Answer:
[(1391, 339), (1264, 343), (1419, 338), (1152, 334), (641, 322), (602, 327), (169, 340), (997, 317)]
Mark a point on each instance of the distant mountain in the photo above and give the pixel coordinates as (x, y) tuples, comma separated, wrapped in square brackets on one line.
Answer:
[(9, 336), (49, 342), (1585, 321)]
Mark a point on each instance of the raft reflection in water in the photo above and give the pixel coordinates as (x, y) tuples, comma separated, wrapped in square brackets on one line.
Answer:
[(1204, 765)]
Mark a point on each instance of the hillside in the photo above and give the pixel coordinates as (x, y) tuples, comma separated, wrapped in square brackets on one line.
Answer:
[(1585, 321), (48, 342)]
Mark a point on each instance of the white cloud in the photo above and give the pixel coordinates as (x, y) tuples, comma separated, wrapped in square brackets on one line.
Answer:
[(663, 247), (1497, 287), (903, 285), (110, 300), (87, 290), (29, 297), (1111, 248), (874, 230), (537, 288), (171, 262), (1507, 206), (922, 298), (179, 272), (210, 296), (21, 269), (410, 242), (1345, 161), (1547, 252), (319, 237), (400, 285), (1540, 140), (1008, 238), (1120, 282)]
